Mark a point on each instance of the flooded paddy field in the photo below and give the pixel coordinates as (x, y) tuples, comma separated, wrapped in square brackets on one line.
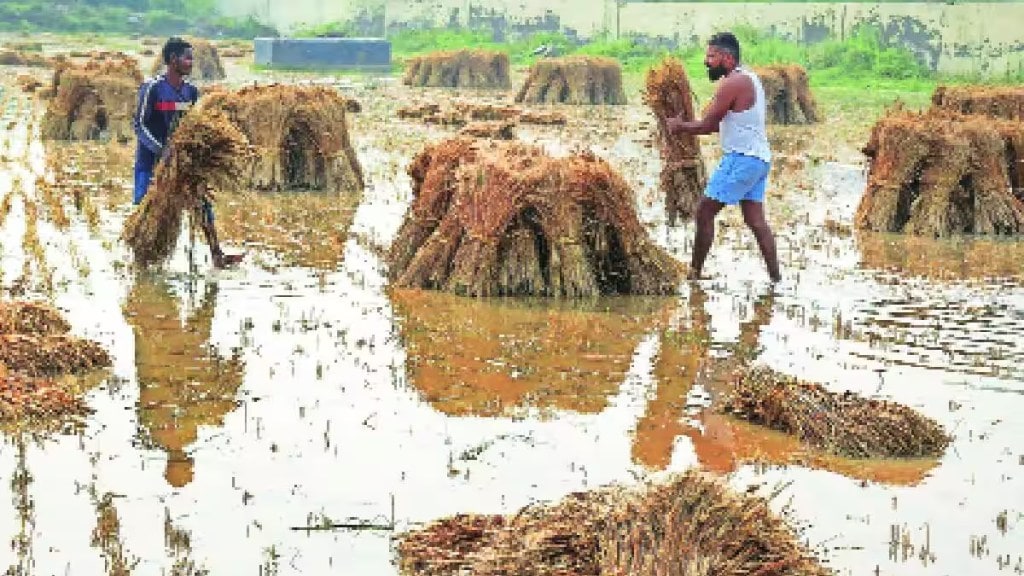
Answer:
[(295, 415)]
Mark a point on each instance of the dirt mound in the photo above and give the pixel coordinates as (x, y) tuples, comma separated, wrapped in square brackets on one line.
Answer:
[(683, 175), (787, 94), (458, 69), (1006, 102), (299, 134), (940, 173), (843, 424), (23, 58), (573, 80), (612, 531), (497, 218)]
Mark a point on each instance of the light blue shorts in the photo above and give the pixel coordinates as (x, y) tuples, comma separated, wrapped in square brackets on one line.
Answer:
[(738, 177)]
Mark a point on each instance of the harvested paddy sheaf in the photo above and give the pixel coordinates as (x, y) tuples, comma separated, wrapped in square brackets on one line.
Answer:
[(458, 69), (27, 402), (787, 94), (939, 174), (573, 80), (49, 355), (24, 317), (843, 424), (92, 99), (461, 113), (613, 531), (494, 357), (206, 153), (683, 175), (299, 135), (206, 64), (503, 218), (1006, 102), (22, 58)]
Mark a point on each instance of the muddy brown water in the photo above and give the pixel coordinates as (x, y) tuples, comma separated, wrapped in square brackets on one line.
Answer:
[(251, 413)]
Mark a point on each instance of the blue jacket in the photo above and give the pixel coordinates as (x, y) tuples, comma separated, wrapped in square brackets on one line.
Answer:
[(160, 107)]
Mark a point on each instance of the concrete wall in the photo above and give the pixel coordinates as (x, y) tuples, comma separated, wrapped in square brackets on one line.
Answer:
[(986, 38)]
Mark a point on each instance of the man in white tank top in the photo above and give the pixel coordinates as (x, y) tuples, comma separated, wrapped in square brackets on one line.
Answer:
[(737, 112)]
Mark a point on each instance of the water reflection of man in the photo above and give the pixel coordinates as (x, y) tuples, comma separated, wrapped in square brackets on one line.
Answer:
[(183, 382)]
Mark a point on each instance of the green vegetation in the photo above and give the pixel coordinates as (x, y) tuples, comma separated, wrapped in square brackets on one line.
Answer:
[(157, 17)]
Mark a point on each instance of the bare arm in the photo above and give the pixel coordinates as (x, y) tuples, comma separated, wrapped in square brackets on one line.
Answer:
[(721, 103)]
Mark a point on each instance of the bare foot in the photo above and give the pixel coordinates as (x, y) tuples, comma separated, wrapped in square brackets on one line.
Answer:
[(696, 275)]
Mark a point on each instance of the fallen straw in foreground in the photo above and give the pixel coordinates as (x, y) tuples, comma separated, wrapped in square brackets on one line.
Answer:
[(31, 318), (682, 174), (207, 152), (692, 524), (50, 355), (843, 424)]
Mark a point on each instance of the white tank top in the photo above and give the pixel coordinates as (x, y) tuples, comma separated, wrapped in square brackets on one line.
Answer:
[(744, 132)]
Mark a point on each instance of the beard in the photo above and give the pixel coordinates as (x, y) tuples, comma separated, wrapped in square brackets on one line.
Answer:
[(716, 72)]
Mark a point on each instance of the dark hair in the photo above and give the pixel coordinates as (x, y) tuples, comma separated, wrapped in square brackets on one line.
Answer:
[(174, 47), (726, 42)]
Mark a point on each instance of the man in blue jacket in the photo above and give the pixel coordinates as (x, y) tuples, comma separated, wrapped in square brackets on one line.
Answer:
[(163, 100)]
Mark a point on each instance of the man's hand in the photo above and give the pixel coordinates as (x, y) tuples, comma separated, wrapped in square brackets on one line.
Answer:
[(165, 154), (674, 125)]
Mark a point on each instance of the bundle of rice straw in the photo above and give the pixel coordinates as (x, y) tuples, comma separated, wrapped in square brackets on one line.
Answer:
[(31, 318), (24, 399), (941, 173), (574, 80), (788, 94), (496, 218), (458, 69), (842, 424), (691, 524), (207, 153), (683, 176), (498, 129), (1006, 102), (50, 355)]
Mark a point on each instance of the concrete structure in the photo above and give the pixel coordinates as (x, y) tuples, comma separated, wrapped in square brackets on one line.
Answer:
[(323, 53), (982, 38)]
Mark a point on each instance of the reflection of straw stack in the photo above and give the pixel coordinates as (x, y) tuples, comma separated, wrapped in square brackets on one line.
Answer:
[(183, 384), (563, 356)]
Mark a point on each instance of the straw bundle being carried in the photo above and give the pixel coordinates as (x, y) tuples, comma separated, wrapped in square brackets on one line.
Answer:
[(91, 99), (689, 525), (299, 135), (458, 69), (787, 94), (842, 424), (1006, 102), (206, 64), (504, 218), (35, 355), (941, 173), (31, 318), (206, 153), (573, 80), (683, 175)]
